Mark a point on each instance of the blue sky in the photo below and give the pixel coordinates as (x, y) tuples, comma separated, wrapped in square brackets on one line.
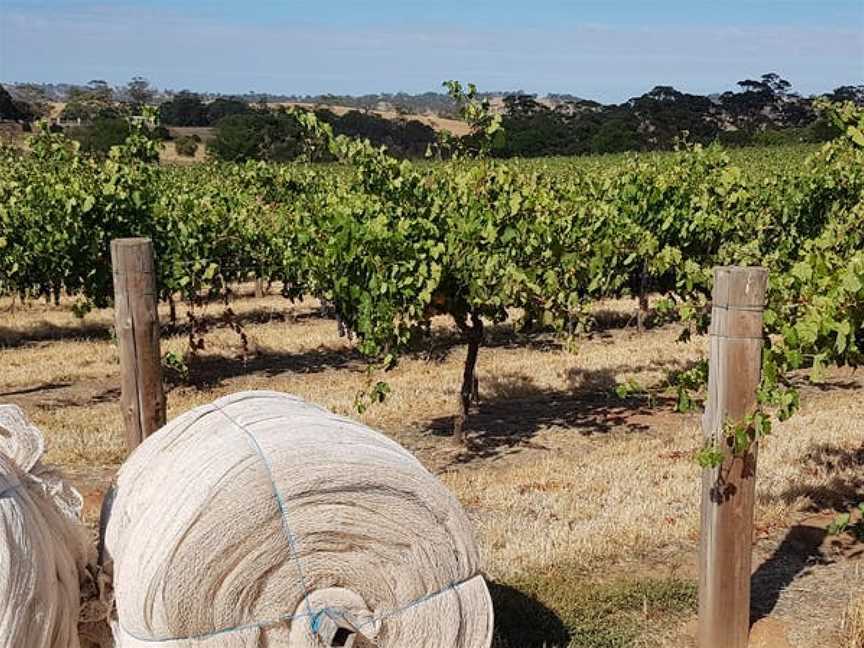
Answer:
[(609, 50)]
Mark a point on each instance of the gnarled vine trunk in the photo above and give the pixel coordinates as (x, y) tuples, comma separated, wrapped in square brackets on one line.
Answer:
[(642, 316), (474, 336)]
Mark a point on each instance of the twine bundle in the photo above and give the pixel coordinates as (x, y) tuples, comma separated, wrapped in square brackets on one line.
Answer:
[(261, 520), (43, 546)]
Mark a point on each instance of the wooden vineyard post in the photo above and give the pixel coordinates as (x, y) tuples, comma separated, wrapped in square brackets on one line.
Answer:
[(728, 491), (136, 321)]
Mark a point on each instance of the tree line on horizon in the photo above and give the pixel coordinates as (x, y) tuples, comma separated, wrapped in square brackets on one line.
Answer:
[(761, 111)]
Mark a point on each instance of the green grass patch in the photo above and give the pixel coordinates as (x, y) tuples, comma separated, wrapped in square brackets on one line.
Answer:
[(559, 610)]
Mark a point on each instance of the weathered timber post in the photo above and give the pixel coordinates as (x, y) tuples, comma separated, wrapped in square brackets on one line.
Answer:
[(728, 491), (136, 321)]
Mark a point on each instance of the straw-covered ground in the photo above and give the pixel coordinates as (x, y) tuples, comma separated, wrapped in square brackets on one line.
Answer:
[(585, 504)]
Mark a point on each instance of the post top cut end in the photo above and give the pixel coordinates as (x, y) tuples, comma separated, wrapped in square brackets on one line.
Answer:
[(130, 242), (739, 286)]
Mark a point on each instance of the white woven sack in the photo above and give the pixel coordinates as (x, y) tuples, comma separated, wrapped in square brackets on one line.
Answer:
[(261, 520), (43, 546)]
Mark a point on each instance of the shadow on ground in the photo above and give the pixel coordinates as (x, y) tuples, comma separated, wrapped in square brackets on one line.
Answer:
[(566, 608), (799, 551), (521, 621), (43, 331), (44, 387), (211, 318), (209, 371), (438, 344), (513, 409)]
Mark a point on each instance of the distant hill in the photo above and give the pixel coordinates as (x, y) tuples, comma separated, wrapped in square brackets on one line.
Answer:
[(385, 111), (764, 110)]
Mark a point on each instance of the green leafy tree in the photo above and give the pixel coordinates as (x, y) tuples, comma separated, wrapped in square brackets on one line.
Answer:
[(12, 109), (852, 93), (257, 136), (102, 135), (140, 92), (403, 138), (92, 102), (221, 108), (35, 97), (184, 109)]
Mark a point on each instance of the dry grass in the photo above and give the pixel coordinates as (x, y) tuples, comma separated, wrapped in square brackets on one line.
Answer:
[(622, 498), (853, 624), (576, 495)]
